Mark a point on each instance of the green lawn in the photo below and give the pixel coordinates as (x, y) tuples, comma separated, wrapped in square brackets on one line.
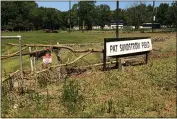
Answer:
[(76, 37), (39, 37)]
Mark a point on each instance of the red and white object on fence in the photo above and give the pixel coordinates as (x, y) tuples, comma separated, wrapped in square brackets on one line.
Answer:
[(47, 59)]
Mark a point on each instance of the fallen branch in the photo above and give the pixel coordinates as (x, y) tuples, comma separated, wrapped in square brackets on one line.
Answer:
[(43, 50), (112, 62), (99, 64), (13, 54), (59, 46), (30, 53), (12, 44), (10, 75), (64, 64), (84, 44)]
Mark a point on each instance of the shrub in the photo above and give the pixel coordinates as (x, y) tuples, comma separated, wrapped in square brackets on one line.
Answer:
[(42, 80), (71, 98)]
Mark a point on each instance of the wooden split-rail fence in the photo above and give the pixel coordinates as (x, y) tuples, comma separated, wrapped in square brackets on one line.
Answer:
[(55, 49)]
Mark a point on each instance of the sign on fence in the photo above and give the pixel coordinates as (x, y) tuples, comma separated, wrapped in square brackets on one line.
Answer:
[(123, 47), (47, 59)]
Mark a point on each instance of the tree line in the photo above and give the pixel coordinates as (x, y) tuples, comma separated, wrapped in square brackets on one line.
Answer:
[(27, 15)]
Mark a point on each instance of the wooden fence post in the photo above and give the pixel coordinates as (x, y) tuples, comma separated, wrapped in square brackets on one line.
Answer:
[(146, 60), (59, 61), (34, 59), (120, 62), (34, 63), (104, 56), (31, 60)]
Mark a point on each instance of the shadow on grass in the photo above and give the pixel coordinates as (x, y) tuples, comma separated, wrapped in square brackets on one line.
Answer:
[(126, 64)]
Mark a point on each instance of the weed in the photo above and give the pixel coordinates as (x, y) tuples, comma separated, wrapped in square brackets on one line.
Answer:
[(71, 98), (42, 81), (5, 106), (110, 105)]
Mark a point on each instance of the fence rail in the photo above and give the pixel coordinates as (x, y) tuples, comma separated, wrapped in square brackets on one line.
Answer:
[(53, 48)]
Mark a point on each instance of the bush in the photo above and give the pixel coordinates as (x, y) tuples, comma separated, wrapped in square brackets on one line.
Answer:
[(71, 97), (42, 80)]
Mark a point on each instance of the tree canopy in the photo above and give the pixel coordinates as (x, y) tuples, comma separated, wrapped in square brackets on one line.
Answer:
[(27, 15)]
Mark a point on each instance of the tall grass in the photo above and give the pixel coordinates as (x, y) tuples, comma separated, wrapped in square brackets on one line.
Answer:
[(71, 97)]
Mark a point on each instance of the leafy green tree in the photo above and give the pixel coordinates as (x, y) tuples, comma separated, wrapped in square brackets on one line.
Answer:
[(149, 12), (26, 15), (139, 13), (122, 15), (86, 12), (15, 14), (103, 15), (163, 13), (64, 16), (74, 15), (173, 16)]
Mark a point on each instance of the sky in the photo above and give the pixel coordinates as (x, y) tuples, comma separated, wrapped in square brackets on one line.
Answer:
[(64, 5)]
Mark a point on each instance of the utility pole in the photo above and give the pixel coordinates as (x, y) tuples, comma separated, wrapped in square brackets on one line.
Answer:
[(117, 29), (153, 16), (78, 24), (117, 18), (83, 23), (78, 16), (69, 16)]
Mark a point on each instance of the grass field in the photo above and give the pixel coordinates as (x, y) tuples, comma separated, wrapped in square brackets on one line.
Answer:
[(39, 37), (77, 36), (139, 91)]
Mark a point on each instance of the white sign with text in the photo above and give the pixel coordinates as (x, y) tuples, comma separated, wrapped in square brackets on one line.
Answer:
[(127, 47)]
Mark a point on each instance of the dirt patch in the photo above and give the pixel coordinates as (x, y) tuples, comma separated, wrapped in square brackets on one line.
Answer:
[(160, 39), (170, 107), (163, 55)]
